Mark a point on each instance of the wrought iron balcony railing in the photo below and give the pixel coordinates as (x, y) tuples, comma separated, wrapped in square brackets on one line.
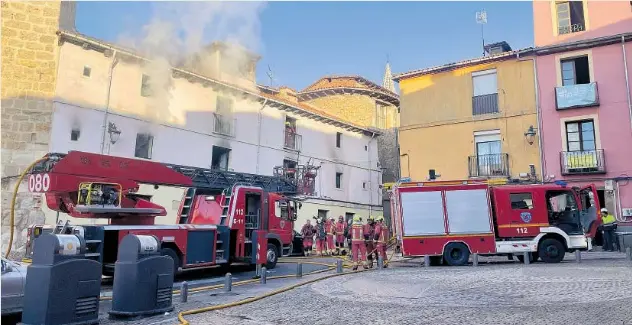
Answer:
[(583, 162), (485, 104), (489, 165)]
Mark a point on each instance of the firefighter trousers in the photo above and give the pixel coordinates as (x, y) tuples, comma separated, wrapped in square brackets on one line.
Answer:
[(330, 244), (381, 251), (358, 248), (320, 245)]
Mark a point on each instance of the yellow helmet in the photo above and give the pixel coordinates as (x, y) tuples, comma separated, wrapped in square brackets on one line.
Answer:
[(370, 218), (379, 218), (357, 218)]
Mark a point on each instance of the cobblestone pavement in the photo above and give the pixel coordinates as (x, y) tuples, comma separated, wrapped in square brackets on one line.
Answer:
[(499, 293)]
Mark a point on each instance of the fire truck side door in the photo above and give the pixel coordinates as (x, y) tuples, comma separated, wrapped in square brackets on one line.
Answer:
[(589, 214), (524, 213)]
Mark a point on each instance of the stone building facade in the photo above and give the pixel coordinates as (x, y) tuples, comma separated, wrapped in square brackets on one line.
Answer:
[(29, 67)]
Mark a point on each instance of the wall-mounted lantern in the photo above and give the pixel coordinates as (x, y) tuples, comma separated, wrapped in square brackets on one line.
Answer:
[(530, 135)]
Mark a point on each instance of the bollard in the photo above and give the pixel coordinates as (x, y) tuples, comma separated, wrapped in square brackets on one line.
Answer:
[(426, 261), (184, 292), (228, 282), (475, 259), (258, 270), (380, 262), (526, 258), (264, 275), (628, 253), (578, 256), (339, 266), (299, 270)]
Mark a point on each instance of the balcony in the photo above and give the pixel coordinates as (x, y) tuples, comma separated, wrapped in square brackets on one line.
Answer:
[(485, 104), (494, 165), (583, 162), (576, 96), (292, 141), (224, 125)]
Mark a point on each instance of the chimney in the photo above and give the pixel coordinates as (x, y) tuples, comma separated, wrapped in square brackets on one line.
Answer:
[(288, 94), (67, 15), (497, 48)]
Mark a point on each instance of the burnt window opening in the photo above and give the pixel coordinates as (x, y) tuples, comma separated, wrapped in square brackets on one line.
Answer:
[(575, 71), (220, 158), (338, 139), (290, 168), (366, 148), (145, 89), (87, 71), (144, 145), (338, 180), (570, 17), (74, 134), (224, 106)]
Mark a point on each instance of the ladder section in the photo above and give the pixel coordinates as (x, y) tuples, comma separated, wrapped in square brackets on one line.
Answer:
[(185, 211), (223, 220), (219, 249), (215, 179)]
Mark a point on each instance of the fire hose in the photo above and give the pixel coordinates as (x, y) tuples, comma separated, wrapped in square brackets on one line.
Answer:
[(13, 199)]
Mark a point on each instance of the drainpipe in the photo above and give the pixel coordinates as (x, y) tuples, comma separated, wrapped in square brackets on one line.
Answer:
[(259, 132), (538, 118), (370, 175), (107, 101)]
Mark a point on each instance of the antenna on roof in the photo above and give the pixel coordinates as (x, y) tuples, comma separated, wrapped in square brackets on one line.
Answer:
[(481, 18), (270, 76)]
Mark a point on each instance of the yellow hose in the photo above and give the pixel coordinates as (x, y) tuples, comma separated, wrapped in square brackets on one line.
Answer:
[(15, 195), (253, 299)]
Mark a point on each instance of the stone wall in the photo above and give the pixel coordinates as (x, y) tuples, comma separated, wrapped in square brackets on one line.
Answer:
[(358, 109), (29, 67)]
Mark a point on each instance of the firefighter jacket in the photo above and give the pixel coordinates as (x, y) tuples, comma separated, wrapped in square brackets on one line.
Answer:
[(341, 228), (330, 227), (307, 231), (320, 231), (381, 233), (369, 231), (357, 233), (607, 219)]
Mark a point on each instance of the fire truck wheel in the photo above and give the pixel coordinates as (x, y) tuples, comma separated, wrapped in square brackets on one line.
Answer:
[(272, 256), (456, 254), (551, 251), (176, 260)]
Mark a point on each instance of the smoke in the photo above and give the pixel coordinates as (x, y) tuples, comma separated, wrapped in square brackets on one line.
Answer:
[(177, 36)]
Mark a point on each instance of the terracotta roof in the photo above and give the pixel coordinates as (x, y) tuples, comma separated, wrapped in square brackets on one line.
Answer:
[(260, 91), (464, 63), (348, 81)]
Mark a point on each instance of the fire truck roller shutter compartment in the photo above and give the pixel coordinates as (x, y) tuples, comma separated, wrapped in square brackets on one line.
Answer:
[(468, 212), (423, 213)]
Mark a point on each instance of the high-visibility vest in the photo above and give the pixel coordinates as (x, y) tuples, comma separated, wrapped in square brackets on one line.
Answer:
[(608, 218), (357, 233)]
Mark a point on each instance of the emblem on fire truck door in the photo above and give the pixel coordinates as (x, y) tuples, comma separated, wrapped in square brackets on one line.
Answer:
[(525, 216), (282, 224)]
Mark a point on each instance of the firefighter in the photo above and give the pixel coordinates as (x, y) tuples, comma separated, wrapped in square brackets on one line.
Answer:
[(320, 237), (369, 232), (358, 247), (348, 232), (308, 237), (609, 226), (341, 231), (381, 237), (330, 226)]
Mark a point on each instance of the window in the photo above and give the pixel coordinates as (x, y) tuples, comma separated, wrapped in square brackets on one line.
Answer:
[(366, 148), (349, 216), (570, 17), (322, 214), (74, 134), (144, 144), (489, 159), (580, 136), (380, 116), (338, 139), (220, 158), (290, 133), (145, 89), (485, 92), (87, 71), (575, 71), (338, 180), (521, 201), (289, 166)]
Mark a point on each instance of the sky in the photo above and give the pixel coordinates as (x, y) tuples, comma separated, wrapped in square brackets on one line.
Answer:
[(301, 42)]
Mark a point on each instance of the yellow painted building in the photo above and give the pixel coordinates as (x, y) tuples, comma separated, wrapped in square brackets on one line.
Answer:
[(471, 119)]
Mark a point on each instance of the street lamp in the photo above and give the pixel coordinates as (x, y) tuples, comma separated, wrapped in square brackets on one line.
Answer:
[(114, 132), (530, 134)]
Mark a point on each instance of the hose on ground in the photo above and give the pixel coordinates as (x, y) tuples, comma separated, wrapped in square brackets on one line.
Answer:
[(13, 199)]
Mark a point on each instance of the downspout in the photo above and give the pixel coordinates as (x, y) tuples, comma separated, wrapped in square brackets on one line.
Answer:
[(370, 176), (627, 80), (107, 101), (537, 113), (259, 133)]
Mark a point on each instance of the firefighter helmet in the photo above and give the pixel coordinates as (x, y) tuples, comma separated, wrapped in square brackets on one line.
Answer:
[(379, 218), (357, 218), (370, 218)]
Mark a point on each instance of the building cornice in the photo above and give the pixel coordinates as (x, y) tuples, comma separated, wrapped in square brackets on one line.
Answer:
[(313, 94), (89, 43), (583, 44)]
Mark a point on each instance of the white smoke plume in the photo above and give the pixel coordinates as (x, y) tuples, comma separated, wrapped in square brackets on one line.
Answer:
[(179, 31)]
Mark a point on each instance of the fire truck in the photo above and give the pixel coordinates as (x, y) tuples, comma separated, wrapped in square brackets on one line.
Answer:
[(449, 220), (224, 216)]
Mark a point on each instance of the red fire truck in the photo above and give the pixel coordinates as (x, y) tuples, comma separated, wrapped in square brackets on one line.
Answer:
[(224, 216), (449, 220)]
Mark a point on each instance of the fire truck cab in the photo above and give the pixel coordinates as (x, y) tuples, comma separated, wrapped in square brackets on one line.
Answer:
[(449, 220)]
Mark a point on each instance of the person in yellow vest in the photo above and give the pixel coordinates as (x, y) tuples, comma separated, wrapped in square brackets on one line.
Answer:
[(609, 225)]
